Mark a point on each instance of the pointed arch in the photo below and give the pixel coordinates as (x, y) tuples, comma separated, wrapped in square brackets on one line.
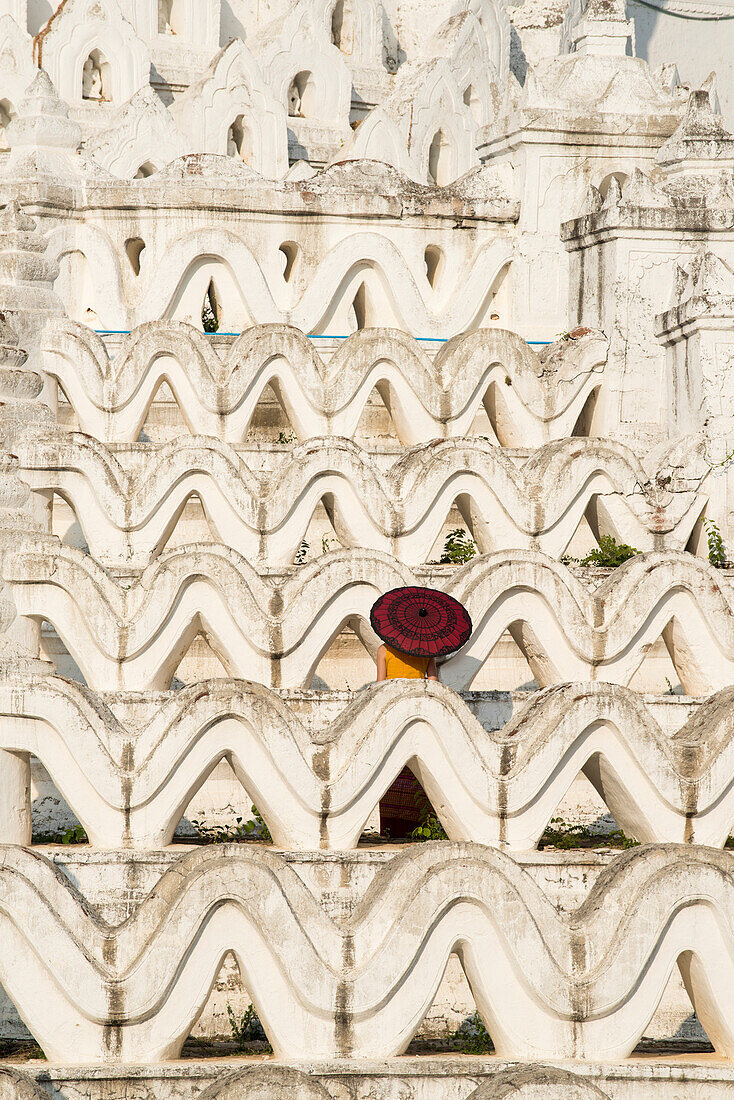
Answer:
[(96, 80), (240, 142), (342, 26), (303, 95), (441, 159), (172, 18)]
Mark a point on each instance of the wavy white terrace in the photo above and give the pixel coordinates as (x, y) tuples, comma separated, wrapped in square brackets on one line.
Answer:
[(132, 632), (524, 395), (130, 784), (290, 291), (115, 883), (128, 503), (93, 992)]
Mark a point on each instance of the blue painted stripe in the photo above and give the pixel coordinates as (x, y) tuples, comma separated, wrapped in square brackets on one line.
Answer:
[(315, 336)]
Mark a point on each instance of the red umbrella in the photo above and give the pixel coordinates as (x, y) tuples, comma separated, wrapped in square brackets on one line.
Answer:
[(421, 621)]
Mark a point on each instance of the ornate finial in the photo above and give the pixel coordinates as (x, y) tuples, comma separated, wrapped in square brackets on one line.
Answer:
[(701, 140), (594, 200), (43, 139), (614, 193)]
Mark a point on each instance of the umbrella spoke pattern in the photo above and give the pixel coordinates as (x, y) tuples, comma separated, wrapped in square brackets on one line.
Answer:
[(421, 621)]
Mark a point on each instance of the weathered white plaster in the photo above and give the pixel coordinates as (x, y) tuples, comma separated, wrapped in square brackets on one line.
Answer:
[(127, 517), (534, 398), (141, 137), (16, 69), (232, 112), (81, 30), (196, 523), (316, 1002), (646, 779)]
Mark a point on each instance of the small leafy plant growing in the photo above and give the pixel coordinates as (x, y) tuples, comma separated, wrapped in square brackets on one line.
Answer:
[(232, 834), (257, 827), (560, 834), (609, 553), (302, 554), (430, 829), (717, 550), (75, 835), (472, 1037), (286, 438), (209, 321), (458, 549), (246, 1029)]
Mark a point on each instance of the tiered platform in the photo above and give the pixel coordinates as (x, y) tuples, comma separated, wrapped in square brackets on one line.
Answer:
[(299, 305)]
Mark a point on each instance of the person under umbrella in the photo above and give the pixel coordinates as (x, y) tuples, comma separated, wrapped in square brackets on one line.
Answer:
[(394, 665), (416, 625)]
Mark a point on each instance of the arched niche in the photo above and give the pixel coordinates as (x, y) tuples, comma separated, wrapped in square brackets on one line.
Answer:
[(39, 13), (211, 310), (433, 258), (606, 183), (302, 96), (289, 250), (97, 78), (146, 169), (232, 111), (210, 280), (240, 143), (171, 17), (440, 159), (134, 247)]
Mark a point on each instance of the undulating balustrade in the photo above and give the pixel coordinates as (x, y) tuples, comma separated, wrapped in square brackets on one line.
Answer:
[(581, 985), (318, 784), (197, 502), (131, 634), (129, 606), (127, 515), (534, 399)]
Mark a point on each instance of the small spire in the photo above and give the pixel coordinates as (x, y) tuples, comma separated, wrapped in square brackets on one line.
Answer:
[(701, 139), (594, 200), (43, 139), (614, 194)]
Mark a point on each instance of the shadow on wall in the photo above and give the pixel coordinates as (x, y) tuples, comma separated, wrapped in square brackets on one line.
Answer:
[(696, 45), (230, 26), (39, 13)]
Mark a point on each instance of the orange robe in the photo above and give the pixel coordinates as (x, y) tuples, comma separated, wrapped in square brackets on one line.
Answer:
[(404, 806)]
